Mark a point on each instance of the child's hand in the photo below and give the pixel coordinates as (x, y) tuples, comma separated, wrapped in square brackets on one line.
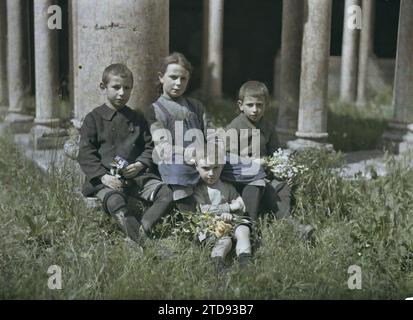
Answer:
[(227, 217), (237, 205), (112, 182), (133, 169)]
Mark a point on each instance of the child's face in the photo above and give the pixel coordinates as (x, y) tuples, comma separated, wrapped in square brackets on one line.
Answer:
[(252, 107), (118, 91), (174, 81), (209, 173)]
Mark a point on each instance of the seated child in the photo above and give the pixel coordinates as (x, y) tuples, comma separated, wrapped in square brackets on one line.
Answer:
[(275, 195), (114, 130), (221, 198), (169, 114)]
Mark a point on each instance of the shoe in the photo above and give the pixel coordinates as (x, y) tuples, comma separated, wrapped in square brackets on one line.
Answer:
[(244, 259), (128, 224), (144, 238), (219, 264)]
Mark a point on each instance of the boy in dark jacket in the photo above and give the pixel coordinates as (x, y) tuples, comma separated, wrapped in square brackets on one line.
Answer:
[(273, 195), (113, 130)]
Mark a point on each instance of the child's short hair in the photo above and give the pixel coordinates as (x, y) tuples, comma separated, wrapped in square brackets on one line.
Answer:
[(212, 153), (253, 89), (176, 58), (116, 69)]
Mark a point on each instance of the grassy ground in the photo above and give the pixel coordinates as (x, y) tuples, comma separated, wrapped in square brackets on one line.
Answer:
[(364, 223)]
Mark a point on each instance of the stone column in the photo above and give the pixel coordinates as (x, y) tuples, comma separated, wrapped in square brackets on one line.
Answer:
[(18, 66), (291, 41), (46, 130), (365, 50), (399, 136), (135, 33), (4, 100), (213, 78), (349, 54), (205, 39), (132, 32), (312, 115)]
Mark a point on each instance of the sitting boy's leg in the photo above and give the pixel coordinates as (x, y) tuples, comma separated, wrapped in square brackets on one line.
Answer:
[(219, 252), (243, 247), (187, 204), (183, 197), (222, 247), (162, 204), (277, 198), (252, 197), (115, 203)]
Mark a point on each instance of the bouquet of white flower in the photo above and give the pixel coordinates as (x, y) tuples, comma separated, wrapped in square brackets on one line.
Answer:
[(284, 166)]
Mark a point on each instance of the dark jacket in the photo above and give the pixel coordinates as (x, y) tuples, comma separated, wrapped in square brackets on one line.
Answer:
[(107, 133), (268, 136)]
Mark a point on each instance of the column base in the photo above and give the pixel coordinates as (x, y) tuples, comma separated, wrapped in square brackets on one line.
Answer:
[(398, 137), (19, 123), (48, 138), (303, 144)]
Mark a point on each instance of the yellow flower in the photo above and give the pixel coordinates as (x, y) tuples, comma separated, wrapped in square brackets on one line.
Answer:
[(222, 228)]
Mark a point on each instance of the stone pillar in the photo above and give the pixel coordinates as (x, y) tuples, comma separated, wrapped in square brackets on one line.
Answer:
[(291, 41), (135, 33), (132, 32), (46, 130), (349, 54), (365, 50), (212, 81), (205, 39), (4, 100), (312, 115), (18, 66), (399, 136)]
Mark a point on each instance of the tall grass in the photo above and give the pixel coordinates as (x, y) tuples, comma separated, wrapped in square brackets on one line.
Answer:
[(364, 223)]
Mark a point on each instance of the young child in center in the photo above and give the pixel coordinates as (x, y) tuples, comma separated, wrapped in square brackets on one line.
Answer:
[(115, 130), (215, 196), (262, 194), (173, 110)]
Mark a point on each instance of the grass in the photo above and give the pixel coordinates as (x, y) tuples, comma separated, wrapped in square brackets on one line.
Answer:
[(364, 223)]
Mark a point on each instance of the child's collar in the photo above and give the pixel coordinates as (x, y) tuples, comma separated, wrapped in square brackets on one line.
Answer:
[(248, 121)]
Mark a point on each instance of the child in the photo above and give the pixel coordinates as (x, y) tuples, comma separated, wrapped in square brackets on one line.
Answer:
[(171, 111), (114, 130), (215, 196), (275, 195)]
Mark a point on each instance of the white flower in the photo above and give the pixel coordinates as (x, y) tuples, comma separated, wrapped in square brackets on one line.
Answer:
[(283, 165)]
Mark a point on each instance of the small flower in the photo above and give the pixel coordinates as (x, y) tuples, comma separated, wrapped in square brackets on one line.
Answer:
[(222, 228)]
